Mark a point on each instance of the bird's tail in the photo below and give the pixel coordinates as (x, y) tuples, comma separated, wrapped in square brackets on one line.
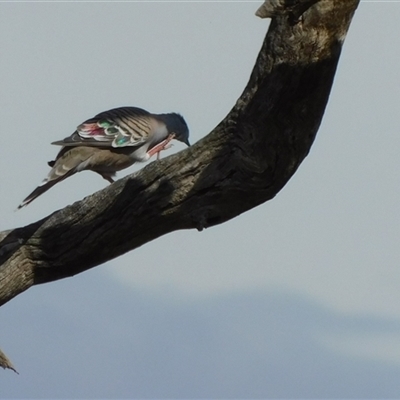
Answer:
[(68, 162), (43, 187)]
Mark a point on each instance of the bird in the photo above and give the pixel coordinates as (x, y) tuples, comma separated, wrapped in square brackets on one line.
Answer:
[(111, 141)]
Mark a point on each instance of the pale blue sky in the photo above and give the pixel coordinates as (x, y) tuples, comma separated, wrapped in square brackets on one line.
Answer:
[(296, 298)]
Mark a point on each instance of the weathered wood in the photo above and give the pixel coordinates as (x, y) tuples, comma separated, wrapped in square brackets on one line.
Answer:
[(243, 162)]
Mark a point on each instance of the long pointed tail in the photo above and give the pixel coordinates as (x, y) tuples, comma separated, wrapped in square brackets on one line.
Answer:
[(68, 162), (43, 187)]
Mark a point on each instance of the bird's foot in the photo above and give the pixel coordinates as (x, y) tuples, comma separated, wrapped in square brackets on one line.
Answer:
[(161, 146), (107, 177), (166, 147)]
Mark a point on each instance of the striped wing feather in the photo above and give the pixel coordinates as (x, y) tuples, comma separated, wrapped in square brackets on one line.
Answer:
[(119, 127)]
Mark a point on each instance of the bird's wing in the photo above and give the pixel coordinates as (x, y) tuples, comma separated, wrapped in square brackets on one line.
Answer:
[(119, 127)]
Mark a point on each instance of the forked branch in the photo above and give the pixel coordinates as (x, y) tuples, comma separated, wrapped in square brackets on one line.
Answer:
[(243, 162)]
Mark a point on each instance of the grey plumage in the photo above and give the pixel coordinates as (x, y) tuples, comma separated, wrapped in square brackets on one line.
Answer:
[(111, 141)]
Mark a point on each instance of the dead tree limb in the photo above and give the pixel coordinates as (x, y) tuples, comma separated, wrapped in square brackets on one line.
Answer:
[(243, 162)]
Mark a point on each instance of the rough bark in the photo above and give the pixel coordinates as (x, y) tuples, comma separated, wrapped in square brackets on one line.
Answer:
[(243, 162)]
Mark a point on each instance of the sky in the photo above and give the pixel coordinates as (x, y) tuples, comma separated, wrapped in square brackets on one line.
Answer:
[(297, 298)]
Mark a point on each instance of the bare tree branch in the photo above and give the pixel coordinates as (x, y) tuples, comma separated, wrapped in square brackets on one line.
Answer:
[(243, 162)]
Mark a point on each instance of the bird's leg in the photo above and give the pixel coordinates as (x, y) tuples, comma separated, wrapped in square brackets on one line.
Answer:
[(166, 147), (161, 146), (106, 176)]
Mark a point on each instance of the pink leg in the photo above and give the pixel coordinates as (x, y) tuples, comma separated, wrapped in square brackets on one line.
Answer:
[(160, 146)]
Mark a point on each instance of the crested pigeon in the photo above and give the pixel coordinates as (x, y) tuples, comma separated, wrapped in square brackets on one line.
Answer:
[(111, 141)]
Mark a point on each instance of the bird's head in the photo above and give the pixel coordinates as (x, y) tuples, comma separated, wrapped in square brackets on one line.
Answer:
[(177, 125)]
